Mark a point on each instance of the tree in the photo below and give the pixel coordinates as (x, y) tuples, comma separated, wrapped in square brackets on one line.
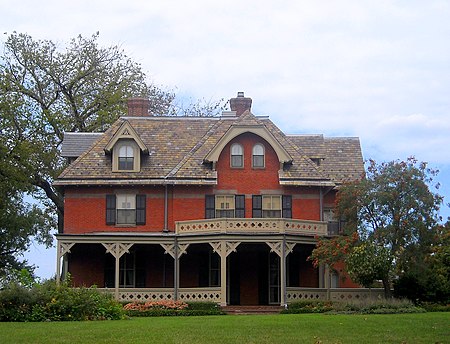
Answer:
[(46, 90), (394, 214)]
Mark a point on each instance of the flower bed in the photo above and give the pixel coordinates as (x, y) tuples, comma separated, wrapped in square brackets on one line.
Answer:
[(171, 308)]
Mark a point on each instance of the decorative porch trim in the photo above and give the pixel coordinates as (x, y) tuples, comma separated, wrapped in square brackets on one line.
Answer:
[(230, 246), (117, 249)]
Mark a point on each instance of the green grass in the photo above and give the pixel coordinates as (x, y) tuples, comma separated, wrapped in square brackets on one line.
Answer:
[(289, 328)]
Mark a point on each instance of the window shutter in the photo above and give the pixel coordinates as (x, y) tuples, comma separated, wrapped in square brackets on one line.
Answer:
[(239, 201), (287, 206), (110, 209), (210, 206), (140, 209), (257, 206)]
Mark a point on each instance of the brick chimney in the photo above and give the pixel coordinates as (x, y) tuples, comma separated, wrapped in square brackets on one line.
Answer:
[(138, 107), (240, 104)]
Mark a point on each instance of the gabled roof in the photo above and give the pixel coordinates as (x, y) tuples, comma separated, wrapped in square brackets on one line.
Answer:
[(179, 146), (126, 131), (248, 123)]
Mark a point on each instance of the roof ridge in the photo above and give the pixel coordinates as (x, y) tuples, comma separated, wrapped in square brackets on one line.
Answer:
[(193, 150)]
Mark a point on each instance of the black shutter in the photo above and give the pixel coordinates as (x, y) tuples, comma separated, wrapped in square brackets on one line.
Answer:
[(287, 206), (257, 206), (210, 206), (110, 209), (239, 203), (140, 209)]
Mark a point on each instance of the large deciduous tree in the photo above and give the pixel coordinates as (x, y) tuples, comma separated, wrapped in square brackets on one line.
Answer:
[(46, 90), (392, 219)]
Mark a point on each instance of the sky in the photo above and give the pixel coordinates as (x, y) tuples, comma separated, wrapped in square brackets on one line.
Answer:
[(378, 70)]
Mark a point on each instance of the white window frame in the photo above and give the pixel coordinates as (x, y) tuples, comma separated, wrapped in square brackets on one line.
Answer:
[(234, 153), (225, 203), (135, 152), (269, 207), (261, 155), (125, 203)]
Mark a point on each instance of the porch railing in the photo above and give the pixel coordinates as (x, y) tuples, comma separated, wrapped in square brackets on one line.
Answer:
[(334, 294), (252, 225), (212, 294)]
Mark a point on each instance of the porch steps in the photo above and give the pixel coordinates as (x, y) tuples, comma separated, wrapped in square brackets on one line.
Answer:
[(241, 310)]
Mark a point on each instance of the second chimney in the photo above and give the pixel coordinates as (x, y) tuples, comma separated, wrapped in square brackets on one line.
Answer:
[(138, 107), (240, 104)]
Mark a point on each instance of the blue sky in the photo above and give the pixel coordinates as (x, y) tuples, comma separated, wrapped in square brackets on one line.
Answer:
[(378, 70)]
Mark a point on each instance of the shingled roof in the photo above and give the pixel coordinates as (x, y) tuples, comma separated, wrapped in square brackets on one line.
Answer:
[(177, 147)]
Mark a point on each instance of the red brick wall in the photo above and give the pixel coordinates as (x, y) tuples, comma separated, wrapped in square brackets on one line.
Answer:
[(85, 207)]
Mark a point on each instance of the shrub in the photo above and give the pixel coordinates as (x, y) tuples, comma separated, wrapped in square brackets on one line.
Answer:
[(367, 307), (48, 301)]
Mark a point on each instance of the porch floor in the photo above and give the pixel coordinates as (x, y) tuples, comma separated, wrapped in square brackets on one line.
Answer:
[(241, 310)]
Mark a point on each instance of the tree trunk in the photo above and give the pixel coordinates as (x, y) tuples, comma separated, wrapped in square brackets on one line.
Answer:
[(387, 288)]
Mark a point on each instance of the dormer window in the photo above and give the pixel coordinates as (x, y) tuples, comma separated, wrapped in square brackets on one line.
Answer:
[(258, 156), (126, 156), (237, 155)]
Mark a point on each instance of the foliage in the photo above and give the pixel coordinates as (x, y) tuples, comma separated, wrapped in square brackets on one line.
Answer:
[(385, 306), (429, 280), (367, 262), (394, 214), (171, 308), (51, 302)]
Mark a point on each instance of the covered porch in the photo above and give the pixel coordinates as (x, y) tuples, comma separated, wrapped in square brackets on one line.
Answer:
[(238, 262)]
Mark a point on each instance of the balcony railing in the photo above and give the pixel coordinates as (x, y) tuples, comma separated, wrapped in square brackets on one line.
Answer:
[(252, 226)]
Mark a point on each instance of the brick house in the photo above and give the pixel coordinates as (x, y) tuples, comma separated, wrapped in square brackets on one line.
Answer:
[(223, 209)]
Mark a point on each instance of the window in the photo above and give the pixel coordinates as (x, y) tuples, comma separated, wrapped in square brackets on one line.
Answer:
[(269, 206), (127, 271), (258, 155), (217, 206), (237, 155), (214, 269), (126, 158), (125, 209), (224, 206)]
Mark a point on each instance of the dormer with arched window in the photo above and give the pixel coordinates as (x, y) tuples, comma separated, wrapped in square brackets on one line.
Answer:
[(126, 147)]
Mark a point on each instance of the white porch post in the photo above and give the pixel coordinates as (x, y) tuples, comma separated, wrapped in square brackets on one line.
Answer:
[(223, 274), (117, 250), (223, 249), (61, 249)]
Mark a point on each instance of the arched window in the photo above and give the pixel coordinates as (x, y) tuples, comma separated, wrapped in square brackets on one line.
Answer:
[(126, 158), (237, 155), (258, 155)]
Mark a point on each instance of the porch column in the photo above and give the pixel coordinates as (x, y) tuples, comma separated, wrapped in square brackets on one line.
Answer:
[(117, 250), (327, 283), (223, 249), (176, 250), (61, 249), (282, 249)]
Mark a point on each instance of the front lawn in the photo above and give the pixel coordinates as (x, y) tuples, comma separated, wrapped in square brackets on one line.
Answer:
[(289, 328)]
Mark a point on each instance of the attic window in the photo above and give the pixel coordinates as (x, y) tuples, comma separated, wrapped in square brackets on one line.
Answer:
[(126, 156), (317, 161)]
